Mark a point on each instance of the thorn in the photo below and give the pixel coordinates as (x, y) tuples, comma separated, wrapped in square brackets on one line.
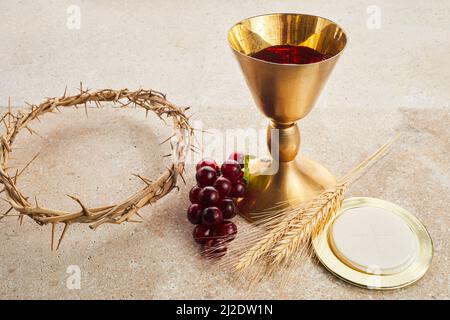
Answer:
[(171, 170), (123, 105), (15, 176), (167, 139), (53, 235), (134, 221), (147, 181), (9, 111), (62, 235), (182, 178), (30, 105), (65, 91), (193, 150), (28, 164), (6, 213), (86, 110), (137, 213), (36, 201), (85, 210), (5, 124), (31, 131)]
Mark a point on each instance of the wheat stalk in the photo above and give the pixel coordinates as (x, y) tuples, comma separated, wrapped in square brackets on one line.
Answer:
[(258, 251), (285, 232), (306, 221)]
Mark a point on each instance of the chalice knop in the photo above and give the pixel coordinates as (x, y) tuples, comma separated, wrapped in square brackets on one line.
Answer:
[(285, 93)]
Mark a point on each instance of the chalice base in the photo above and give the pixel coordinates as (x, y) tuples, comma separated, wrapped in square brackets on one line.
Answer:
[(296, 181)]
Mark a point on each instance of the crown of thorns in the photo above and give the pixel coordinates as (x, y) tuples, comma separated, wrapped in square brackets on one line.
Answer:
[(124, 211)]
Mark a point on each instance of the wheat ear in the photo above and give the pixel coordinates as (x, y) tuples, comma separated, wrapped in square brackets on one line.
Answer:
[(307, 221), (290, 229)]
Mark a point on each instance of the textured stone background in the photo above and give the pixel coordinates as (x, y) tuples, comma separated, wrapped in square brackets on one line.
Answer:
[(391, 79)]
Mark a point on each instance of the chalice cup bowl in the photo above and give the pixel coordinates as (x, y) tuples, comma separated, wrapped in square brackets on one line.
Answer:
[(285, 93)]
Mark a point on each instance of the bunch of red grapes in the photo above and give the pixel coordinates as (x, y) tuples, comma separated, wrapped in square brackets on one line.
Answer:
[(213, 203)]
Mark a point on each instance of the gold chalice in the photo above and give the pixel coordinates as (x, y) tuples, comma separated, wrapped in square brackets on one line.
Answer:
[(285, 93)]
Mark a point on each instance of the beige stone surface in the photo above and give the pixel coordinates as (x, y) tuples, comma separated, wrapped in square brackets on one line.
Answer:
[(392, 79)]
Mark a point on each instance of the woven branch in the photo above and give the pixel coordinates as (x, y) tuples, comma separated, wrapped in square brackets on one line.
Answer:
[(150, 101)]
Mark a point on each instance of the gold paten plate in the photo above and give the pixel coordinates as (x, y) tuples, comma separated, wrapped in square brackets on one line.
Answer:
[(415, 270)]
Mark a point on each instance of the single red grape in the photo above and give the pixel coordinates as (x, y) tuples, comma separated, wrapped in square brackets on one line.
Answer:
[(227, 231), (239, 157), (209, 196), (231, 169), (212, 215), (207, 162), (240, 181), (193, 194), (206, 176), (201, 233), (214, 248), (238, 190), (223, 185), (228, 208), (194, 213)]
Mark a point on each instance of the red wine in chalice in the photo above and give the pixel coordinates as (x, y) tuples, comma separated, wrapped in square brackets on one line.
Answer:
[(288, 54)]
